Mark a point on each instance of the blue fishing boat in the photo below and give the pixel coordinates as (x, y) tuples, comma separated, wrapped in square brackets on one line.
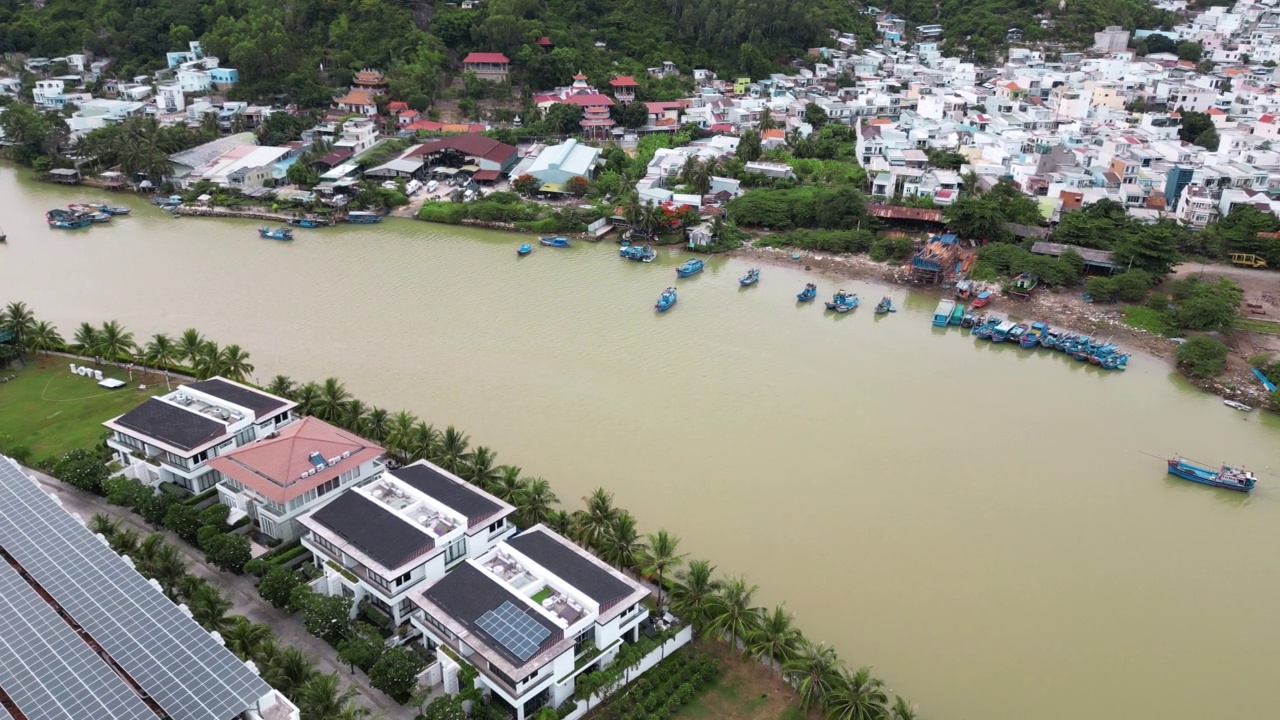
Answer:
[(942, 314), (1115, 361), (1102, 353), (957, 314), (1000, 332), (638, 253), (692, 267), (1031, 338), (809, 292), (112, 209), (524, 249), (1018, 331), (167, 203), (305, 222), (986, 327), (843, 302), (751, 278), (666, 300), (275, 233), (1228, 477), (885, 306), (67, 219), (363, 217), (1066, 341), (1050, 339), (558, 241)]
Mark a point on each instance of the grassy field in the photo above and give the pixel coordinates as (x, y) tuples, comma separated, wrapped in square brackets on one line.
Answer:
[(745, 691), (51, 411), (1259, 326)]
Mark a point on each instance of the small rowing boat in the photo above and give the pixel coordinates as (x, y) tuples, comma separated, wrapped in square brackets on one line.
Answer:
[(751, 278), (524, 249)]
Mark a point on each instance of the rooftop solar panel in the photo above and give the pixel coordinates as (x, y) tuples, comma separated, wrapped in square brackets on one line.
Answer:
[(172, 658), (512, 627), (47, 670)]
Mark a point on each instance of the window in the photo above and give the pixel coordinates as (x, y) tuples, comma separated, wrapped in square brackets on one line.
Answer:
[(327, 486), (498, 525), (455, 551), (580, 642)]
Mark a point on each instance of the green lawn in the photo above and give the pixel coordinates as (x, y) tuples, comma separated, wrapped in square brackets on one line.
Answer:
[(51, 411), (543, 594)]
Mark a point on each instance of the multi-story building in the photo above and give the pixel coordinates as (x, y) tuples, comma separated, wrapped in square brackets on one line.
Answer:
[(525, 613), (176, 434), (379, 542), (293, 471)]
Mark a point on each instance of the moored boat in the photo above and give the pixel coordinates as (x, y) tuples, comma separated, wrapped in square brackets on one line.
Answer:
[(114, 209), (1228, 477), (751, 278), (957, 314), (99, 217), (275, 233), (942, 313), (885, 305), (666, 300), (638, 253), (1237, 405), (1050, 339), (987, 327), (843, 302), (1032, 336), (305, 222), (809, 292), (524, 249), (1000, 332), (969, 320), (982, 299), (1116, 361), (1018, 331), (363, 217), (691, 267), (67, 219), (558, 241)]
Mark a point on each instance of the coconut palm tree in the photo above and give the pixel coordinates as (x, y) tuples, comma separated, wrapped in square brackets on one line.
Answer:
[(352, 711), (902, 710), (190, 345), (560, 521), (660, 556), (399, 435), (591, 525), (125, 541), (234, 363), (43, 337), (777, 638), (858, 696), (115, 341), (322, 697), (104, 525), (354, 416), (208, 361), (209, 608), (621, 544), (732, 615), (426, 441), (332, 400), (508, 484), (168, 568), (451, 451), (815, 672), (18, 319), (161, 352), (281, 386), (291, 672), (536, 502), (86, 343), (376, 423), (691, 596), (700, 180), (307, 396), (245, 638), (689, 169), (480, 471)]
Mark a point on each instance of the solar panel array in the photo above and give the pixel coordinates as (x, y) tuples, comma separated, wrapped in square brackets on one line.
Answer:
[(173, 659), (517, 632), (47, 670)]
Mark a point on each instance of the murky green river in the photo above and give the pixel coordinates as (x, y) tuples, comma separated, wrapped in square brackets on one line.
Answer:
[(978, 522)]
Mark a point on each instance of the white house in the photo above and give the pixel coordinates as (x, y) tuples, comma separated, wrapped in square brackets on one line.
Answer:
[(194, 80), (49, 93), (379, 542), (358, 135), (171, 438)]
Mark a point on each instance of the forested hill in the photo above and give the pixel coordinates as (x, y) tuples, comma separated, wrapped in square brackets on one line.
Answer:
[(303, 48), (980, 25)]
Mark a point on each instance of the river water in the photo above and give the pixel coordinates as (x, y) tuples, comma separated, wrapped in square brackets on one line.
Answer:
[(978, 522)]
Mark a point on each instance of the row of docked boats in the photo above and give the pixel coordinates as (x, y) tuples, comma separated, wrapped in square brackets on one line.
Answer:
[(81, 215), (1106, 355)]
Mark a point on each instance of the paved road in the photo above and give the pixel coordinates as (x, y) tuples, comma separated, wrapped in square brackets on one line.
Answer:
[(244, 598)]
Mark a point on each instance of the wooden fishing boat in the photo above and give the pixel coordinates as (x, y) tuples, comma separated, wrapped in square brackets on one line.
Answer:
[(305, 222), (969, 320), (638, 253), (1031, 338), (885, 306), (275, 233), (957, 314), (558, 241), (987, 327), (809, 292), (981, 300), (363, 217), (942, 314), (843, 302), (1228, 477), (751, 278), (1237, 405), (666, 300), (691, 267), (1116, 361), (1000, 332), (524, 249)]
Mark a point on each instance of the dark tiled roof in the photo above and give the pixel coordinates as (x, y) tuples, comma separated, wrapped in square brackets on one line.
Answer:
[(599, 584), (456, 495), (377, 532), (260, 403), (467, 592), (172, 425)]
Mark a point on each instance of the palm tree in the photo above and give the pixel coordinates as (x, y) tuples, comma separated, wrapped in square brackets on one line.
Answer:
[(168, 568), (509, 484), (776, 639), (86, 341), (425, 441), (732, 615), (281, 386), (689, 169), (125, 541), (209, 608), (322, 697), (902, 710), (591, 525), (352, 711), (691, 596), (700, 180), (622, 543), (480, 471), (559, 520), (190, 344), (307, 396), (104, 525), (815, 672), (354, 416), (208, 361), (452, 452), (115, 341), (857, 696), (43, 337), (331, 403), (245, 638), (536, 502), (399, 435), (234, 363), (291, 672), (659, 557), (161, 352), (376, 423), (18, 319)]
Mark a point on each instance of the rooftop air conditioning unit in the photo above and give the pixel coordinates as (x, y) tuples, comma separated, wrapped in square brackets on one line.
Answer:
[(346, 454)]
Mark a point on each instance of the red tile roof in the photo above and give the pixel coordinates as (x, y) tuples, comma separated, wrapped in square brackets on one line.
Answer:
[(624, 81), (544, 40), (587, 99), (468, 144), (1268, 118), (357, 96), (773, 134), (274, 467), (724, 128), (485, 57), (486, 176)]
